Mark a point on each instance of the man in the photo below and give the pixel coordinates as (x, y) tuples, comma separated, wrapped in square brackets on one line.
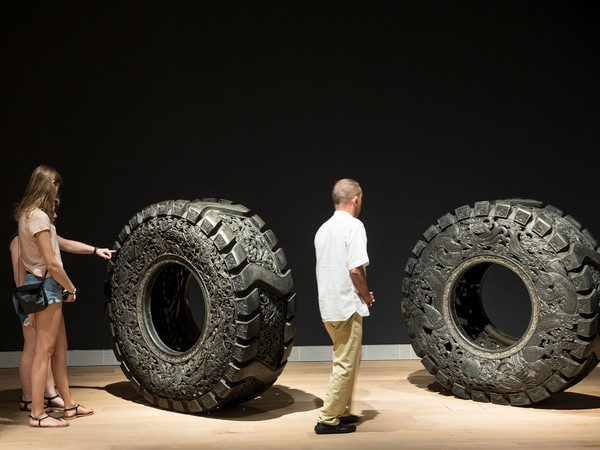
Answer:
[(344, 299)]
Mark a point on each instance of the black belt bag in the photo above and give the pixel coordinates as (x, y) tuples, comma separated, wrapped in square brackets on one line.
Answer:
[(32, 297)]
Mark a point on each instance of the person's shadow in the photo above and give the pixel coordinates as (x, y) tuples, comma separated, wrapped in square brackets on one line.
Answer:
[(560, 401), (365, 416)]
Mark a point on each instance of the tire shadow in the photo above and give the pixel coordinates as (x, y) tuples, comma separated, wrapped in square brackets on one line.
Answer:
[(10, 396), (9, 408), (277, 401), (562, 401), (424, 380), (565, 401)]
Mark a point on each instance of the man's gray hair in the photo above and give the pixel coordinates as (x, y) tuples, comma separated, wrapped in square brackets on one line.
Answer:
[(344, 190)]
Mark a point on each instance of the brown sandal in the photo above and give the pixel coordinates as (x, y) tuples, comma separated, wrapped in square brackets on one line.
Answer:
[(77, 413), (39, 421)]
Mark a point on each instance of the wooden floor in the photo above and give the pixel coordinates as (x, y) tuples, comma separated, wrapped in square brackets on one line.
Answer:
[(401, 405)]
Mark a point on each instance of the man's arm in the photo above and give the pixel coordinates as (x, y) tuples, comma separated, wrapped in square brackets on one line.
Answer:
[(359, 278)]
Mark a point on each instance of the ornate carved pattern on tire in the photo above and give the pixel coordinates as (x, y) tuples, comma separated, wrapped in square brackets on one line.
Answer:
[(200, 304), (446, 320)]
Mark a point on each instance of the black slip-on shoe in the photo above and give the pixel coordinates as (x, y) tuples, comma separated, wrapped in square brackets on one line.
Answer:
[(321, 428), (349, 419)]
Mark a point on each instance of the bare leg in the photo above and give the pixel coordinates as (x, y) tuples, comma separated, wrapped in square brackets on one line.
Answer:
[(59, 368), (26, 361), (51, 397), (59, 364), (47, 323)]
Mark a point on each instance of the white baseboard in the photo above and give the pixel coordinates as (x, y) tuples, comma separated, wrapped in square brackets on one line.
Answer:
[(74, 358), (369, 352), (306, 353)]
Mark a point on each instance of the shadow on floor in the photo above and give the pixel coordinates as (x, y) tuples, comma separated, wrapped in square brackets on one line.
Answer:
[(277, 401), (563, 401)]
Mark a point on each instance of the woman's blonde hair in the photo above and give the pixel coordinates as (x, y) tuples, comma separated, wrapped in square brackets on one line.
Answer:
[(41, 192)]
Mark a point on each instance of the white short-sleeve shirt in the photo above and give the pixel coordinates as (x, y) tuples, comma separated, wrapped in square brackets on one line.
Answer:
[(340, 245)]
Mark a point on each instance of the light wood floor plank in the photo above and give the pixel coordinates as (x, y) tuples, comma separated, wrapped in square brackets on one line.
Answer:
[(401, 406)]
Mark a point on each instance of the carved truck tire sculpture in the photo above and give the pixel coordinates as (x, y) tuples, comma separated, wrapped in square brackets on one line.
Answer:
[(448, 325), (200, 306)]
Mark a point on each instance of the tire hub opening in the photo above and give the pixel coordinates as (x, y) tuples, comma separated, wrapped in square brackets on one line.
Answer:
[(175, 307), (490, 303)]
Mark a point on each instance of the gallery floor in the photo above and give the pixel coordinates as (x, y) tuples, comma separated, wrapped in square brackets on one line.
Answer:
[(400, 404)]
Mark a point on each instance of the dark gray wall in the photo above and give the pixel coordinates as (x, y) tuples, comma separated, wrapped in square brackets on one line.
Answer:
[(430, 105)]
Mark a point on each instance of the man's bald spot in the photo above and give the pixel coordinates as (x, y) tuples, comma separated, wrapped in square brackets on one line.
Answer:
[(345, 190)]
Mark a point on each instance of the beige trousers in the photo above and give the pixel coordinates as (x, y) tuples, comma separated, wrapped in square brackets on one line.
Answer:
[(347, 347)]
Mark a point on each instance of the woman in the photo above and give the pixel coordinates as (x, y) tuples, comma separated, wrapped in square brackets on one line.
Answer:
[(51, 398), (40, 252)]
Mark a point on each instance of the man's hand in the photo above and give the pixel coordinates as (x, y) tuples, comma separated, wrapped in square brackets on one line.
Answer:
[(359, 278)]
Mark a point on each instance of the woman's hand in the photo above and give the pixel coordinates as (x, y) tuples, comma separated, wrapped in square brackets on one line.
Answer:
[(104, 253), (69, 297)]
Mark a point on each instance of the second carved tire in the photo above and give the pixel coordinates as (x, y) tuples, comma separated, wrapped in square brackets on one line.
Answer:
[(201, 308), (447, 322)]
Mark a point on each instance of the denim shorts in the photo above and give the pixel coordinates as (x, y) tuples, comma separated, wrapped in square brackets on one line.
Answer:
[(23, 317), (52, 288)]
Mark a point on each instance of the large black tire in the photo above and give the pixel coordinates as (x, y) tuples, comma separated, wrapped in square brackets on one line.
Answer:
[(447, 322), (200, 306)]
